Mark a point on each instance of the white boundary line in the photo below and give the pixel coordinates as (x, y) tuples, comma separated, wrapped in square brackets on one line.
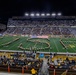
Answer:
[(37, 52), (55, 45), (17, 43), (70, 47)]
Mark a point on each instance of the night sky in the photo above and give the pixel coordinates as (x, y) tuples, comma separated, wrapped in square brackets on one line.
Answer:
[(10, 8)]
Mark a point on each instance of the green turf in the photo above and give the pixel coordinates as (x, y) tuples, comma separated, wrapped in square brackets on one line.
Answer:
[(55, 45)]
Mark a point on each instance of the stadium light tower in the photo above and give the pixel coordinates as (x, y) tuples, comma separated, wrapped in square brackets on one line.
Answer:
[(37, 14), (26, 14), (53, 14), (59, 14), (48, 14), (32, 14), (42, 14)]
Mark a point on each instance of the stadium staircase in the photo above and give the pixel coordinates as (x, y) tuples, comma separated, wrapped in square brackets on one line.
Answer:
[(44, 69)]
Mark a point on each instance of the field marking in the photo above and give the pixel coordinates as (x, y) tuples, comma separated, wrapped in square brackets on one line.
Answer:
[(16, 43), (56, 45), (75, 46), (74, 43), (65, 45), (42, 45), (35, 45), (11, 43), (27, 44), (6, 41), (70, 47), (73, 49), (21, 42), (37, 52)]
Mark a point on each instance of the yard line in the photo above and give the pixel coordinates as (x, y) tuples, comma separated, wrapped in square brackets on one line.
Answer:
[(21, 42), (28, 45), (73, 49), (56, 45), (16, 44), (74, 43), (65, 45), (75, 46), (41, 46), (70, 47), (35, 44), (6, 40)]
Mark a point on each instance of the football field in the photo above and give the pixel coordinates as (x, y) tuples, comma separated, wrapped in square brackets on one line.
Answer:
[(18, 43)]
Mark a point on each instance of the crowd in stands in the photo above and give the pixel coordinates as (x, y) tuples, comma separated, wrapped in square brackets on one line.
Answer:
[(30, 63), (41, 23), (38, 31), (40, 27), (18, 61), (63, 64)]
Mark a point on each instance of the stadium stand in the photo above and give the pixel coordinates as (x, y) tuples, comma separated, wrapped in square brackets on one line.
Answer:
[(41, 27), (25, 61)]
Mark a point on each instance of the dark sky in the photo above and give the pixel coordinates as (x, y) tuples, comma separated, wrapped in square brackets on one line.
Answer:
[(19, 7)]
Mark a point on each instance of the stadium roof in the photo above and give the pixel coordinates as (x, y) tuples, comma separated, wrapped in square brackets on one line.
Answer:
[(19, 7)]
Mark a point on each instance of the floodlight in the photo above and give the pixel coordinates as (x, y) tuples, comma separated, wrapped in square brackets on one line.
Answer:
[(42, 14), (26, 14), (37, 14), (59, 14), (53, 14), (32, 14), (48, 14)]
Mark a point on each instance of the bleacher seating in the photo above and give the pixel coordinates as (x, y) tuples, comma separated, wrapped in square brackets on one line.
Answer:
[(40, 27)]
